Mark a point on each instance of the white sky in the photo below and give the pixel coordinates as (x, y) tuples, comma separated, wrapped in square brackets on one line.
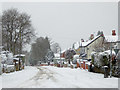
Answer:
[(68, 22), (0, 8)]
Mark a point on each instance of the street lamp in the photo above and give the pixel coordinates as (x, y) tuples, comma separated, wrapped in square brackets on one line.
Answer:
[(60, 57)]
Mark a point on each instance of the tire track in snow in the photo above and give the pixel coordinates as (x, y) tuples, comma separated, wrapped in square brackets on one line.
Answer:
[(42, 76)]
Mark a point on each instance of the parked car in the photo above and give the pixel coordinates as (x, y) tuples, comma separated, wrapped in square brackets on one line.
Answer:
[(10, 68), (7, 68)]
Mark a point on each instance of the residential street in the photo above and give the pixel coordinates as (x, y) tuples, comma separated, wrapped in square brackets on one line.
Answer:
[(56, 44), (54, 77)]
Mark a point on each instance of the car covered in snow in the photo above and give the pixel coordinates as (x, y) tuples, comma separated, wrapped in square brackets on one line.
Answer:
[(19, 61), (6, 57)]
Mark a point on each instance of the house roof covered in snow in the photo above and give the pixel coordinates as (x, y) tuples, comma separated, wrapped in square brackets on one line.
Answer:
[(111, 38), (90, 41), (57, 55), (84, 44), (16, 59), (63, 51)]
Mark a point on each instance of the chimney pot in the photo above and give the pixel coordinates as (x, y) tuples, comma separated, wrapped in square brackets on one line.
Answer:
[(113, 33)]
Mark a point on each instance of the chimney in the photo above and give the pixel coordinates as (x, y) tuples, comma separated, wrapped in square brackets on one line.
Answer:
[(113, 33), (82, 40), (92, 36)]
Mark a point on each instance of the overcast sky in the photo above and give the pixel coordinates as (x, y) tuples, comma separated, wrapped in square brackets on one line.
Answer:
[(67, 23)]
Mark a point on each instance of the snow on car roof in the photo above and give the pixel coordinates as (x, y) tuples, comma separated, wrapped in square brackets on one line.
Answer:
[(10, 65), (15, 58), (19, 55), (4, 52), (59, 58), (57, 55)]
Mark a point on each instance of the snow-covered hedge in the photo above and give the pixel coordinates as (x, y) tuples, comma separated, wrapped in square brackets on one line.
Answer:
[(101, 58), (3, 58)]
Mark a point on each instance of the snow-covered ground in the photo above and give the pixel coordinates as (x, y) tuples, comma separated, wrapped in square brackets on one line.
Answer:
[(0, 82), (54, 77), (14, 79)]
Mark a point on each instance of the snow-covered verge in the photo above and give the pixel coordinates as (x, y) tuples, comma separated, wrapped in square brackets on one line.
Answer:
[(54, 77), (11, 80)]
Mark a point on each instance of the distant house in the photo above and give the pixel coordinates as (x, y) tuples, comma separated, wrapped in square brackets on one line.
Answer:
[(86, 48), (110, 41), (62, 55), (57, 59)]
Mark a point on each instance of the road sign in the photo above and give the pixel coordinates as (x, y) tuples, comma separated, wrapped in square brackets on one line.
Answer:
[(116, 51)]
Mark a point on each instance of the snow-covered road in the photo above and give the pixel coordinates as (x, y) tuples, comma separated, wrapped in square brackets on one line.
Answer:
[(54, 77)]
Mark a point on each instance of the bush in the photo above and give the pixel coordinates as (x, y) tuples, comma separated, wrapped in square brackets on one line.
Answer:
[(105, 61), (92, 59)]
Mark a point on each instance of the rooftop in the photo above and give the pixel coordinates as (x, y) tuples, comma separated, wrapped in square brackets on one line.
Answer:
[(111, 38)]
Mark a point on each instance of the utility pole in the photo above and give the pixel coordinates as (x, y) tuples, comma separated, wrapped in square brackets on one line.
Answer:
[(60, 57), (20, 51), (110, 59)]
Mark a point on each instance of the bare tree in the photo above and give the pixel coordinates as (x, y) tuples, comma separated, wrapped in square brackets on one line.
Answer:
[(17, 30), (69, 55), (55, 47)]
